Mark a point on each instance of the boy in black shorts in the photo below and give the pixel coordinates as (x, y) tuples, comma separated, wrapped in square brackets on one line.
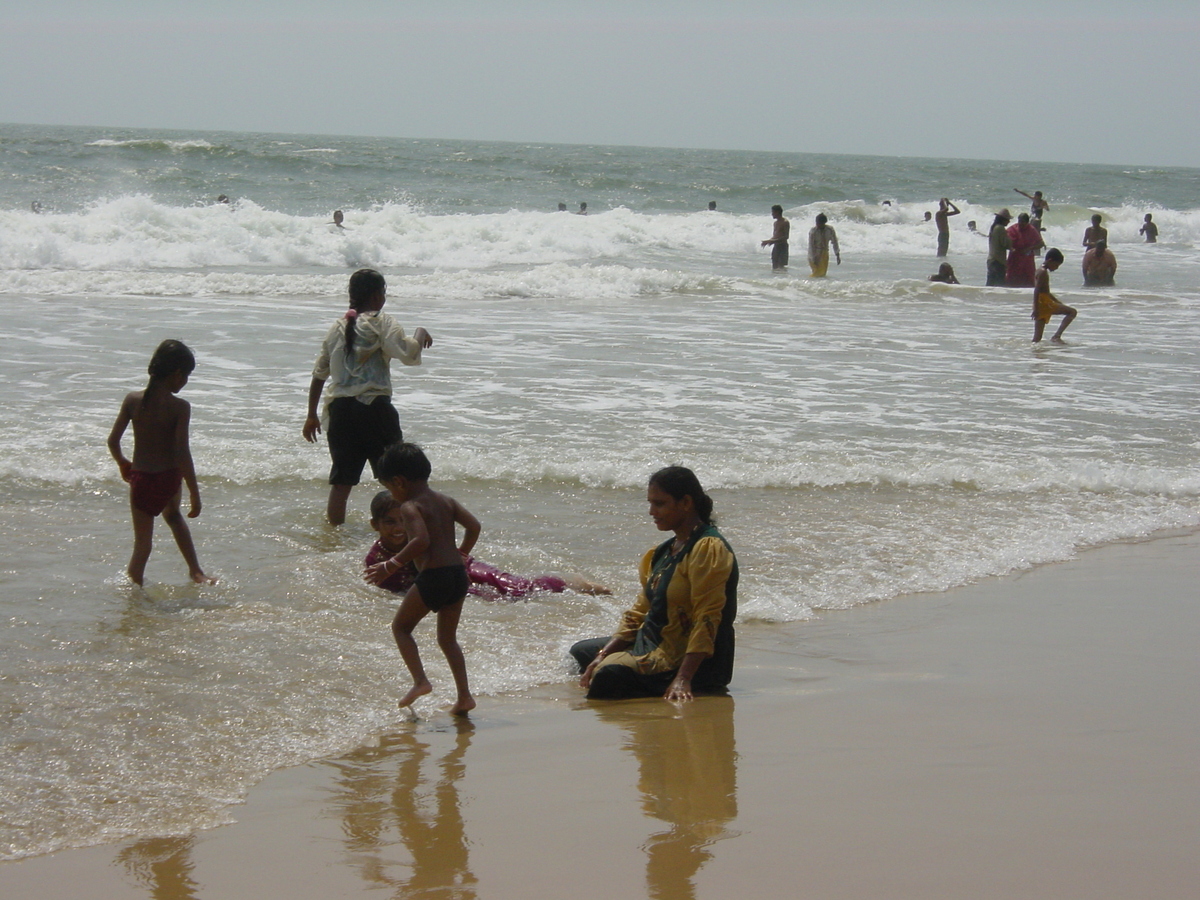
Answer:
[(428, 518)]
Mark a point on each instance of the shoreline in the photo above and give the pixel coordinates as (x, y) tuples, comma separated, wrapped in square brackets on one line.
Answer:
[(1029, 735)]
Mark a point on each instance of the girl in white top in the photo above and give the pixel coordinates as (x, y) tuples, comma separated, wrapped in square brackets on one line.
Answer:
[(355, 357)]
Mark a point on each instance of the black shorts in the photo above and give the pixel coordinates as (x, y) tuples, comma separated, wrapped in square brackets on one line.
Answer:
[(779, 255), (995, 273), (943, 243), (443, 586), (359, 433)]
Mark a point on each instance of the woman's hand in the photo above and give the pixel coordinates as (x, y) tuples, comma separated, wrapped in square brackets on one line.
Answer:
[(585, 680), (680, 690)]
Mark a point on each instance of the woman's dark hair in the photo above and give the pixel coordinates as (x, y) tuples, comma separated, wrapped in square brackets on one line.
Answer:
[(364, 285), (404, 460), (680, 482), (171, 357)]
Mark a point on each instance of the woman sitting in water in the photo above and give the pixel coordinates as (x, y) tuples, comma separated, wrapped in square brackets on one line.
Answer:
[(678, 637)]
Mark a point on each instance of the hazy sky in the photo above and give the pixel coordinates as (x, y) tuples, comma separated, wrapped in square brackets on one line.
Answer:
[(1109, 81)]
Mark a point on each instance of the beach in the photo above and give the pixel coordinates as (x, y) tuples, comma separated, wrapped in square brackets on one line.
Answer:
[(931, 746), (939, 525)]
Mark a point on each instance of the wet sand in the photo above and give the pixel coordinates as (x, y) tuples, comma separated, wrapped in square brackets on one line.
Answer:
[(1032, 736)]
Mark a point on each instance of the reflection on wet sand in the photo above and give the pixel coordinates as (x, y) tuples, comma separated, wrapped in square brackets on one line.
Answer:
[(419, 802), (687, 766), (163, 865)]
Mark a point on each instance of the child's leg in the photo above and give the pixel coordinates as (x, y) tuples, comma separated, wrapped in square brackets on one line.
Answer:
[(335, 509), (143, 542), (1068, 318), (412, 610), (1039, 326), (183, 539), (447, 636)]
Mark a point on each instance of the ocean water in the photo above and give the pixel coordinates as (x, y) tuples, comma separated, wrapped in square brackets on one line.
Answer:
[(864, 437)]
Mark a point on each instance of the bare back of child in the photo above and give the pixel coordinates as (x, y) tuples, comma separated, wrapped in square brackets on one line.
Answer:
[(162, 459), (428, 519)]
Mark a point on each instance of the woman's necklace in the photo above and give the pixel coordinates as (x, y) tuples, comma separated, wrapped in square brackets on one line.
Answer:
[(681, 542)]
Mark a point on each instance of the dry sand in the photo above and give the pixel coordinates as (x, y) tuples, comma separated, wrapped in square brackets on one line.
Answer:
[(1035, 736)]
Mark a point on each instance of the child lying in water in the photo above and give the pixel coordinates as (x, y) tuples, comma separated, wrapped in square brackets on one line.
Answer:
[(487, 582)]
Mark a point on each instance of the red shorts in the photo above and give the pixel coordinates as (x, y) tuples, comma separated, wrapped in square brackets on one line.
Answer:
[(152, 491)]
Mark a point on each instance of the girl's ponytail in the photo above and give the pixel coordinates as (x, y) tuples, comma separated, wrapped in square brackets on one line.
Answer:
[(365, 284)]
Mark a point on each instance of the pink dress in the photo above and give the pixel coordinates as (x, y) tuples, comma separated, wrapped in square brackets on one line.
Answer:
[(1022, 266)]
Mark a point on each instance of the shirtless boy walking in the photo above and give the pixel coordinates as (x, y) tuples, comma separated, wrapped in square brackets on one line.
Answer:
[(1045, 304), (428, 518), (162, 460)]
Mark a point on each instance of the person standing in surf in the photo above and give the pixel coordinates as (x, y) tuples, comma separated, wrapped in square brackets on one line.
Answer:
[(356, 356), (819, 239), (778, 241), (1045, 304), (946, 209), (999, 243), (162, 459)]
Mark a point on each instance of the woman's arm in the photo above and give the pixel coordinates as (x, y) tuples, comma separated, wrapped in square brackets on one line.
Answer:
[(681, 686), (614, 645)]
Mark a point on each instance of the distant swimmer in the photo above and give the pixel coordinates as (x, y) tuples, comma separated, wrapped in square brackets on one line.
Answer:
[(36, 206), (223, 199), (946, 209), (582, 210), (712, 205), (1037, 206), (337, 218), (1095, 233), (778, 241), (999, 244), (562, 207), (945, 274), (1045, 304), (974, 229), (1099, 266), (819, 239), (1150, 230), (928, 215)]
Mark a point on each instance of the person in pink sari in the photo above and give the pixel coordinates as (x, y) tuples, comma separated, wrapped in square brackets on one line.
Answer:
[(1026, 242)]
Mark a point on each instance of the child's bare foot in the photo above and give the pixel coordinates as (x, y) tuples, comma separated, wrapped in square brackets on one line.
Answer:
[(463, 706), (200, 578), (417, 690)]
